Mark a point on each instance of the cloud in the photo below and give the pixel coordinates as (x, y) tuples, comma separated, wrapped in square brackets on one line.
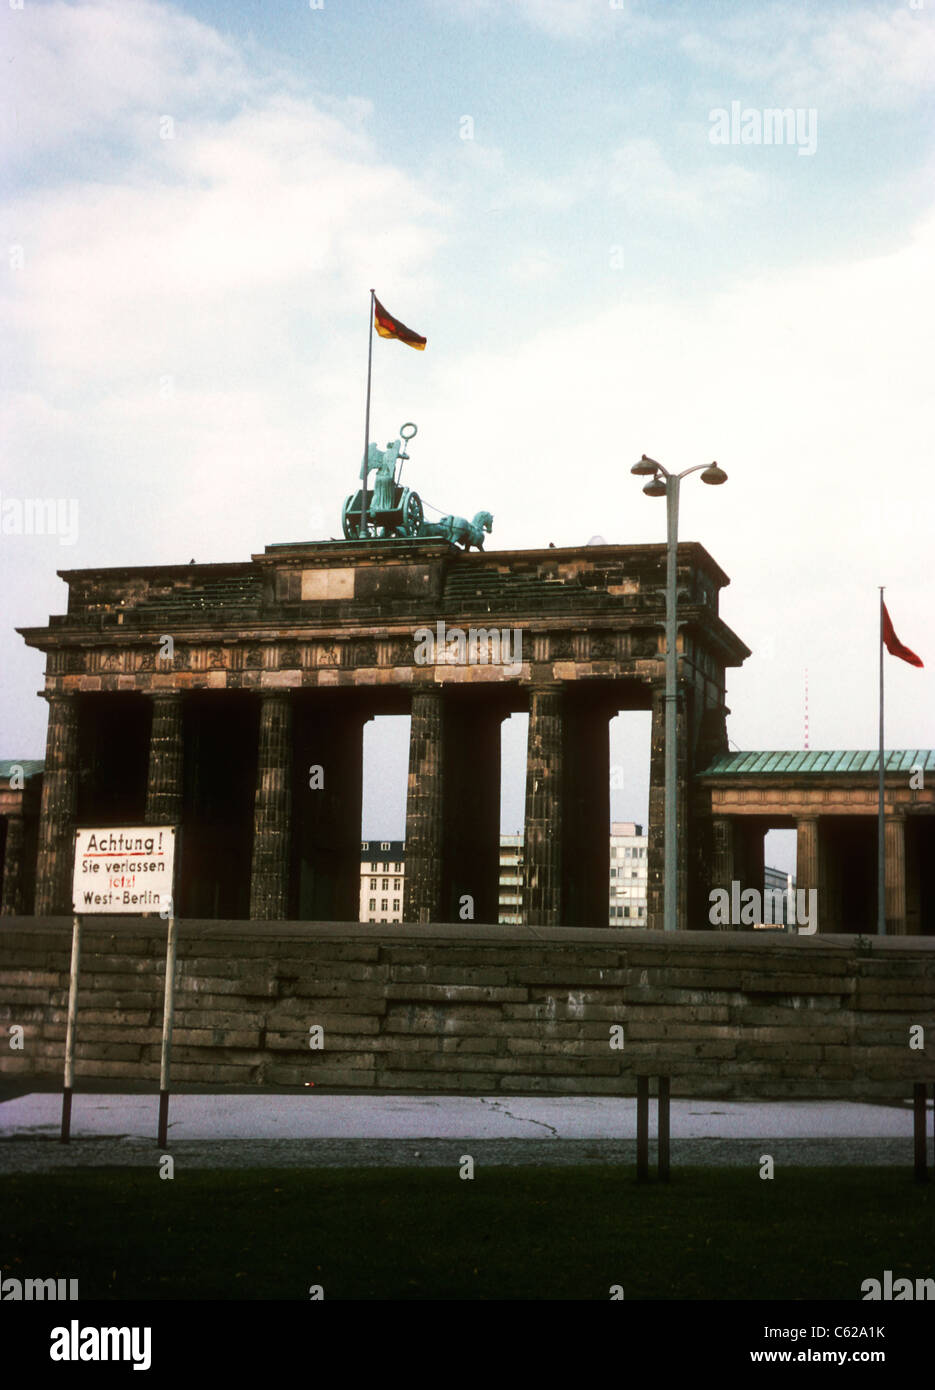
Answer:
[(837, 58), (86, 70), (557, 19), (639, 172)]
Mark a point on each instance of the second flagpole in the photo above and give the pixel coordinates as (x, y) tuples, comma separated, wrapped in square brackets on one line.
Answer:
[(363, 466), (881, 833)]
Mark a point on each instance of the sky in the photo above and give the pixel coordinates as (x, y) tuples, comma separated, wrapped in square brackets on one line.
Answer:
[(575, 202)]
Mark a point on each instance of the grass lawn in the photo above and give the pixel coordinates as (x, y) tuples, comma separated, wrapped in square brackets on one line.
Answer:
[(510, 1233)]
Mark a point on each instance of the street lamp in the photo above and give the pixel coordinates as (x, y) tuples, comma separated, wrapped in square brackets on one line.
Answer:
[(662, 483)]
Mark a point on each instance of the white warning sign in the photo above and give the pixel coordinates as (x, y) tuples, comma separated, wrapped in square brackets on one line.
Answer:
[(125, 870)]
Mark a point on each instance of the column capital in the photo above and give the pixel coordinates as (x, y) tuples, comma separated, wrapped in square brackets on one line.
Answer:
[(63, 697)]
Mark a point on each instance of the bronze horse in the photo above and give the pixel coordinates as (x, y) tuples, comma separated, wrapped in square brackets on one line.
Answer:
[(459, 531)]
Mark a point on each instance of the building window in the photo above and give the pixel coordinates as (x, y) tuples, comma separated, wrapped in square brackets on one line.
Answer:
[(395, 900), (384, 844), (626, 910), (613, 872), (399, 868), (373, 883), (373, 901), (365, 844), (384, 905)]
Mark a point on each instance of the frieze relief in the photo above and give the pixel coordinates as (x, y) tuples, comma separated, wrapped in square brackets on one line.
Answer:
[(328, 653)]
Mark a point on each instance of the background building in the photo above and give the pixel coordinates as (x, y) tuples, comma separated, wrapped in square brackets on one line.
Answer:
[(511, 881), (382, 878), (629, 873)]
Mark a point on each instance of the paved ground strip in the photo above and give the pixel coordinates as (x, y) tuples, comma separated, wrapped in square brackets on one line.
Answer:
[(247, 1131)]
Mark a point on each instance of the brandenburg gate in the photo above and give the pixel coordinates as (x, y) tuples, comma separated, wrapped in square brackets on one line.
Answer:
[(230, 699)]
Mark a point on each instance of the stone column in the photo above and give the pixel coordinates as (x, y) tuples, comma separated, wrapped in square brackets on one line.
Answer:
[(57, 815), (472, 805), (12, 894), (164, 782), (807, 863), (425, 801), (894, 843), (586, 813), (723, 864), (269, 879), (542, 870)]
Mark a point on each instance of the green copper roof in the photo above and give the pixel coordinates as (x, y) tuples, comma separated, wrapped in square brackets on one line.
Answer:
[(813, 760)]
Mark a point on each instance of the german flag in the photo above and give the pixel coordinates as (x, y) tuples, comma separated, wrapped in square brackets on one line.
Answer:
[(388, 327)]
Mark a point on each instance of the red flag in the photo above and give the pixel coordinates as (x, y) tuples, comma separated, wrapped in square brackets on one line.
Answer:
[(388, 327), (893, 644)]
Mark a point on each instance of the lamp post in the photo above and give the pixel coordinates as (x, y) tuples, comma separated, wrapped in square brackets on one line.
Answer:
[(665, 484)]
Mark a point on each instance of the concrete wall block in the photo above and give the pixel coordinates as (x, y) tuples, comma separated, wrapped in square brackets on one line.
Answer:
[(305, 972), (309, 986), (802, 982), (890, 1034), (114, 1002), (457, 994), (534, 1084), (253, 987), (216, 1073), (637, 1029), (107, 1051), (554, 1047), (215, 1037), (661, 1050), (313, 1000), (152, 983), (217, 1018), (804, 1035), (475, 1083), (25, 1013), (113, 1032), (447, 975), (488, 1046), (572, 976), (454, 1018), (30, 979), (24, 994), (286, 1026)]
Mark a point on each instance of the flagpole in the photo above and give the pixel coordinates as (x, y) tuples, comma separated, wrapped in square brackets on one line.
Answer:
[(881, 838), (363, 466)]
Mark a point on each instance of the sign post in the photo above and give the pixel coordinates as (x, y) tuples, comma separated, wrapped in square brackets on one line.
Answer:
[(168, 1010), (70, 1028), (122, 871)]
